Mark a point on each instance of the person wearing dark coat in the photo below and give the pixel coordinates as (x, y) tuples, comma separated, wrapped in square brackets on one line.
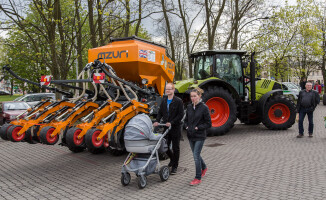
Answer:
[(307, 102), (171, 113), (197, 120)]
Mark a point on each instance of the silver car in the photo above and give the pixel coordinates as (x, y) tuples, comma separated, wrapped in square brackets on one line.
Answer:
[(291, 89), (33, 99)]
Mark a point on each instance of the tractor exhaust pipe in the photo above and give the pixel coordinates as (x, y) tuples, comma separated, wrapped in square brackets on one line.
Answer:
[(253, 77)]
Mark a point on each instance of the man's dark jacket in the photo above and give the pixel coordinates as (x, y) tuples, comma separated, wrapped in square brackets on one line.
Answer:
[(200, 118), (314, 101), (174, 116)]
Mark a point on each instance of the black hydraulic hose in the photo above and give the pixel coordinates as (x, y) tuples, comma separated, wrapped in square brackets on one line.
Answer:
[(6, 67), (39, 104)]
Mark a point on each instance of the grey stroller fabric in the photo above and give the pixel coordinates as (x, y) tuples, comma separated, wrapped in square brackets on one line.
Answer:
[(140, 128), (140, 162)]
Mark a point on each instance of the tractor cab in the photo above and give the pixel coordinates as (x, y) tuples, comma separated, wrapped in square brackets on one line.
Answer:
[(224, 65)]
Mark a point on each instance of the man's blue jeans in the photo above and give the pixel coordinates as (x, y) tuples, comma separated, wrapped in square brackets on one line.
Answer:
[(302, 114), (196, 147)]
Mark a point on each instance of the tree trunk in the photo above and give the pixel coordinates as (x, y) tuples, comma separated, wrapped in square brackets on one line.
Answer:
[(168, 27), (185, 28), (79, 38), (100, 22), (127, 18), (139, 18), (236, 26), (91, 23)]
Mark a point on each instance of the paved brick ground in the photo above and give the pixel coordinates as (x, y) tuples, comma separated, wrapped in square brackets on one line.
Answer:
[(252, 163)]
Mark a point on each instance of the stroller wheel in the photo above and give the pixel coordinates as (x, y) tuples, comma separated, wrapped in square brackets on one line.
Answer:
[(12, 133), (142, 181), (4, 130), (45, 136), (164, 173), (125, 179)]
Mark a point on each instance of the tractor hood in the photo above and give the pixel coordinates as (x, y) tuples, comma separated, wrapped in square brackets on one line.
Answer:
[(184, 85)]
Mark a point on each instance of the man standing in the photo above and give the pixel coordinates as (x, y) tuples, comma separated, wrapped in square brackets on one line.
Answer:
[(171, 112), (307, 102)]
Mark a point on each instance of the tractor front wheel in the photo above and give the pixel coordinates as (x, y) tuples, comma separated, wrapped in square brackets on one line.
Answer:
[(279, 113), (222, 109)]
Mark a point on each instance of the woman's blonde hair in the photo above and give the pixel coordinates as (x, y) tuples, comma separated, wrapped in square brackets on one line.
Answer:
[(198, 90)]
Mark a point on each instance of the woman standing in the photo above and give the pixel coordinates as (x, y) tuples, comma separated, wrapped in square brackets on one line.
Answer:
[(197, 120)]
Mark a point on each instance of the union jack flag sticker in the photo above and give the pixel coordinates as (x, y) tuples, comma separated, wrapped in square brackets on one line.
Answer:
[(143, 53)]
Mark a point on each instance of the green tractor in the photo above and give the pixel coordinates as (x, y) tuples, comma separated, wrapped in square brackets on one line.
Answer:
[(230, 95)]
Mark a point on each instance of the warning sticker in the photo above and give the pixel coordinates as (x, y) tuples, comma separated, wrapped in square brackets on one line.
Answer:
[(151, 56)]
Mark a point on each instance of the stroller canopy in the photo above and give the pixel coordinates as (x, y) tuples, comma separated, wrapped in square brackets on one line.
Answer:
[(140, 128)]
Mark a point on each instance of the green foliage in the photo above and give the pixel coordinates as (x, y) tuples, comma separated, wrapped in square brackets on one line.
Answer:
[(289, 43)]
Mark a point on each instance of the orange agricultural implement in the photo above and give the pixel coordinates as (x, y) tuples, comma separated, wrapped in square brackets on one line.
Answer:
[(31, 112), (75, 135), (98, 138)]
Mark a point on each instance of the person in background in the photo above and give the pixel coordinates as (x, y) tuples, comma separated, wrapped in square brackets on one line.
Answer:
[(197, 120), (171, 112), (317, 88), (303, 83), (307, 102)]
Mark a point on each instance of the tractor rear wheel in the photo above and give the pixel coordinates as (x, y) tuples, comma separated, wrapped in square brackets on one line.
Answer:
[(279, 113), (3, 131), (45, 136), (74, 144), (94, 146), (222, 108), (12, 133)]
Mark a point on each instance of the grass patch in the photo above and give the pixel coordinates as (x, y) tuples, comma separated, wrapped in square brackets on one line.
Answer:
[(8, 97)]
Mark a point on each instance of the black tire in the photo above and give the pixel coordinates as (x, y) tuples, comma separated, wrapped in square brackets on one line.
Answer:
[(221, 93), (142, 181), (284, 113), (73, 144), (125, 178), (94, 149), (45, 138), (324, 99), (3, 131), (116, 152), (13, 137), (164, 173), (254, 119), (29, 136)]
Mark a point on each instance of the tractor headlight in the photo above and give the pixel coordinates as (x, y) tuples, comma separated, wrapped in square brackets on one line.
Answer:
[(144, 81)]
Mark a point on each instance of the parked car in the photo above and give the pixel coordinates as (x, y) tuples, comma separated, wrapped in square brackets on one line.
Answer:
[(9, 110), (33, 99), (291, 89), (4, 92)]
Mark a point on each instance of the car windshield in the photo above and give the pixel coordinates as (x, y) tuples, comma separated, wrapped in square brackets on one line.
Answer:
[(19, 98), (15, 106)]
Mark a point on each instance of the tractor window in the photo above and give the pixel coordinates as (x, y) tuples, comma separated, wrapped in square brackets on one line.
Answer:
[(203, 67), (228, 68)]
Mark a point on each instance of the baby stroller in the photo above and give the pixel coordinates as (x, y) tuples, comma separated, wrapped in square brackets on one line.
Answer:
[(144, 147)]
